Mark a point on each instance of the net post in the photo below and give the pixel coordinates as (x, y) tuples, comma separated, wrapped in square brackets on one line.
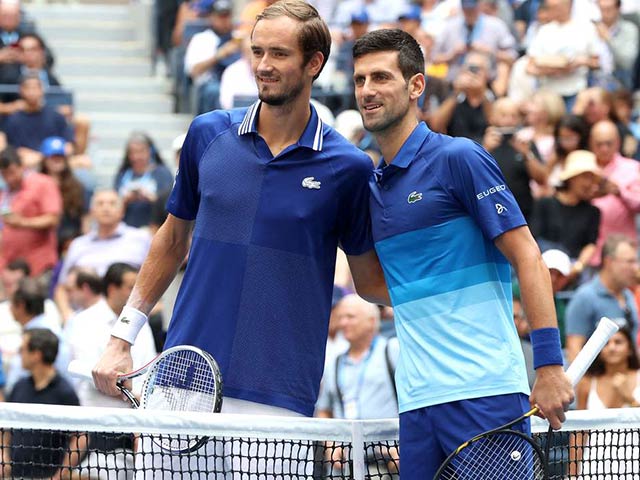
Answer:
[(357, 451)]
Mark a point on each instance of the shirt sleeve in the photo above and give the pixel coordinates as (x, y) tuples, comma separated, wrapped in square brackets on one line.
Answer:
[(578, 317), (49, 197), (475, 179), (356, 236)]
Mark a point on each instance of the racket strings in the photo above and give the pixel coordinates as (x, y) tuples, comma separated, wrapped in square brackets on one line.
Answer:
[(182, 381), (498, 456)]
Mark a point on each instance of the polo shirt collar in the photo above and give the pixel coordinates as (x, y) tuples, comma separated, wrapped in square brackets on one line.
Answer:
[(118, 232), (312, 137), (411, 146)]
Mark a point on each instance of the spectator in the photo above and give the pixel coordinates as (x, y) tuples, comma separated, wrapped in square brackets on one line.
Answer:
[(11, 29), (515, 158), (380, 12), (622, 113), (249, 13), (10, 329), (474, 31), (613, 381), (56, 165), (84, 288), (562, 52), (27, 307), (543, 111), (188, 11), (435, 13), (359, 383), (32, 207), (336, 343), (559, 265), (141, 178), (32, 453), (410, 21), (26, 129), (619, 196), (237, 84), (209, 53), (465, 112), (159, 214), (571, 133), (343, 74), (607, 294), (109, 242), (621, 38), (89, 331), (567, 220), (34, 61)]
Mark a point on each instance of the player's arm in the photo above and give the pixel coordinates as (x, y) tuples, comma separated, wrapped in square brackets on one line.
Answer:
[(552, 392), (167, 252), (368, 277)]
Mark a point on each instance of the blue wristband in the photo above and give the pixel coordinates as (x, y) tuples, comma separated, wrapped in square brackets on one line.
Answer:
[(546, 347)]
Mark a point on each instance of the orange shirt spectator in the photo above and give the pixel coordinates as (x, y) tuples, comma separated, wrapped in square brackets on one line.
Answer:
[(31, 208)]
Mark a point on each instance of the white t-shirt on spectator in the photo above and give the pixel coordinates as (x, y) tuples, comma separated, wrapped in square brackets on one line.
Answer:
[(203, 46), (237, 81)]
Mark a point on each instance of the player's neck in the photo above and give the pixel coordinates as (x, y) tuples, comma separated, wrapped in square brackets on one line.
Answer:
[(281, 126), (392, 139), (42, 376)]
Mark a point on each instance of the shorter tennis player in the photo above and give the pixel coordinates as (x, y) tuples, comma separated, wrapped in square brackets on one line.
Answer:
[(445, 229)]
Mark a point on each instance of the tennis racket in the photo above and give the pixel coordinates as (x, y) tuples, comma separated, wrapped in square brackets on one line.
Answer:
[(182, 378), (502, 453)]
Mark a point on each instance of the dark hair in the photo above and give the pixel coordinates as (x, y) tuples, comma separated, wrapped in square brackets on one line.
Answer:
[(91, 279), (575, 124), (71, 190), (612, 242), (115, 275), (36, 37), (313, 34), (9, 157), (30, 293), (410, 57), (597, 367), (44, 341), (139, 137), (19, 264)]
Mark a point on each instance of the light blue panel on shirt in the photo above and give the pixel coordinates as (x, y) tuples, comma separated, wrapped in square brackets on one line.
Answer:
[(445, 356)]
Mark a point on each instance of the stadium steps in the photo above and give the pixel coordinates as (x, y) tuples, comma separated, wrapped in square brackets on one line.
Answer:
[(103, 55)]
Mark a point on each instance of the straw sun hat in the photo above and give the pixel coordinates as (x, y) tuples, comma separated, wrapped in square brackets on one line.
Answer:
[(577, 162)]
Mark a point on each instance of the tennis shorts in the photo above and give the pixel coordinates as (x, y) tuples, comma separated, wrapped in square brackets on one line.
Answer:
[(429, 434)]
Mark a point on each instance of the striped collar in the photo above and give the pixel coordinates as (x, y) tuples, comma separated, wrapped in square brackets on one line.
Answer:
[(313, 134)]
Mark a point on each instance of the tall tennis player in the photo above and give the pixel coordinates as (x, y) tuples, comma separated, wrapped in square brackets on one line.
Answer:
[(270, 191), (446, 228)]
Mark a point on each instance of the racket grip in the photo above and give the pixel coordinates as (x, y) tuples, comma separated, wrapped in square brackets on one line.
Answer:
[(605, 330), (80, 369)]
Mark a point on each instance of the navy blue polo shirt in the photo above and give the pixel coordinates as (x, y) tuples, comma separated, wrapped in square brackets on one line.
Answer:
[(257, 289), (436, 210)]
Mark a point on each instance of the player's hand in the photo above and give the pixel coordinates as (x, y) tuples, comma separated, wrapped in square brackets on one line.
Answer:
[(115, 361), (552, 394)]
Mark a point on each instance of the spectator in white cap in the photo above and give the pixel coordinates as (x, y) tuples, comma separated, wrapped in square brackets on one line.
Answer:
[(568, 220)]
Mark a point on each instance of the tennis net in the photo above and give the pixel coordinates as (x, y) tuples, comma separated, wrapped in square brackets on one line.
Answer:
[(40, 441)]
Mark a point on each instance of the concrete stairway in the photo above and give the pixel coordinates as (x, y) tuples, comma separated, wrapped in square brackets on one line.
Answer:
[(103, 55)]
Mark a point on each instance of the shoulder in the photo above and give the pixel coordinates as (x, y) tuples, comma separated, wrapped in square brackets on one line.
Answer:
[(40, 180), (206, 127)]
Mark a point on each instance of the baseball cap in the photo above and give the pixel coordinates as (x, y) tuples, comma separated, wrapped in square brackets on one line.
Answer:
[(577, 162), (469, 3), (360, 17), (53, 146), (412, 12), (222, 6), (557, 260)]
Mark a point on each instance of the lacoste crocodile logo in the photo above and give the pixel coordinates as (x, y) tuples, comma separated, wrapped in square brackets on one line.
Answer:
[(414, 197), (311, 183), (125, 320)]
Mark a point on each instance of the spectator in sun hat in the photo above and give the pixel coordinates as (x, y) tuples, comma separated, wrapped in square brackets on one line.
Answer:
[(567, 220)]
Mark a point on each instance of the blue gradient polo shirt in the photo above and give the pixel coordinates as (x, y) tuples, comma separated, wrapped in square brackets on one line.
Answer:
[(436, 210), (257, 289)]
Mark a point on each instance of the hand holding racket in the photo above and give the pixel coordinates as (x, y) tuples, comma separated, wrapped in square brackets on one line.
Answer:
[(182, 378), (509, 454)]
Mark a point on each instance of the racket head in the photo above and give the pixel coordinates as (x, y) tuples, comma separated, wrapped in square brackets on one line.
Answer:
[(496, 454), (182, 378)]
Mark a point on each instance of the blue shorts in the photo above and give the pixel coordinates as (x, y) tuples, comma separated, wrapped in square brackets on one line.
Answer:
[(429, 434)]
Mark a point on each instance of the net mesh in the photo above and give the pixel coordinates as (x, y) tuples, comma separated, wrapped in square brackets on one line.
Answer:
[(99, 443)]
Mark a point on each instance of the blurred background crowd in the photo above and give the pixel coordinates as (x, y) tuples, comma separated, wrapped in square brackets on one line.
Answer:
[(548, 87)]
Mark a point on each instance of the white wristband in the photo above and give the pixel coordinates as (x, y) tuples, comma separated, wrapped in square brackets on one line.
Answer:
[(129, 323)]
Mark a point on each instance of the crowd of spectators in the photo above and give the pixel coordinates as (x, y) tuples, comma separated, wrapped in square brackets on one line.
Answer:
[(548, 87)]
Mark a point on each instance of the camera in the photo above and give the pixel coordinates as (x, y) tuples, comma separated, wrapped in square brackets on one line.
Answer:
[(506, 132)]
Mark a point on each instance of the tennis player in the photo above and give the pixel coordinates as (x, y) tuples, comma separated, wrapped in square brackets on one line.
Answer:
[(445, 228), (270, 191)]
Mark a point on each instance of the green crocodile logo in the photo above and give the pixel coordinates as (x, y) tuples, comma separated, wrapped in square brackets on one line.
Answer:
[(414, 197)]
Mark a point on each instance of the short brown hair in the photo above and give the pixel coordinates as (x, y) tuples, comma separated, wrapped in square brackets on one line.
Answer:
[(314, 34)]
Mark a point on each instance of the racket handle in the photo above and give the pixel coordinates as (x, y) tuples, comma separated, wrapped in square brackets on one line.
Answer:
[(80, 369), (605, 330)]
